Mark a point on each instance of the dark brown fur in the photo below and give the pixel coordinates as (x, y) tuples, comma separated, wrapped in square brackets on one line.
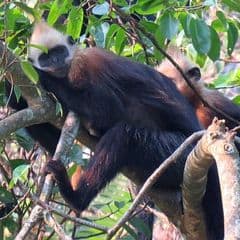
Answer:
[(139, 116)]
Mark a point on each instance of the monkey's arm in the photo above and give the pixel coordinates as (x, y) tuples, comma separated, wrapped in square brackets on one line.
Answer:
[(45, 133), (109, 158)]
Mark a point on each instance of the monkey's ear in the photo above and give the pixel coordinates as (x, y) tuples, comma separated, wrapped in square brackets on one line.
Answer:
[(194, 73)]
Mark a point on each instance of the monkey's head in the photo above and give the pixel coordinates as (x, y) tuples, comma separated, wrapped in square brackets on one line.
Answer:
[(50, 50), (191, 71)]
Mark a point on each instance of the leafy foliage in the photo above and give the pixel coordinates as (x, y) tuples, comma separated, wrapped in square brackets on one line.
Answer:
[(208, 30)]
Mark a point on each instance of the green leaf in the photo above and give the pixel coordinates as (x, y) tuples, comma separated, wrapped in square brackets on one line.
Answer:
[(19, 174), (232, 37), (227, 79), (58, 8), (2, 93), (59, 109), (161, 40), (13, 39), (201, 59), (127, 237), (71, 170), (14, 163), (38, 91), (147, 7), (119, 204), (214, 52), (233, 4), (99, 31), (75, 22), (201, 36), (185, 20), (168, 25), (218, 26), (101, 9), (141, 226), (17, 92), (236, 100), (28, 10), (120, 41), (149, 26), (29, 71), (6, 196), (209, 2), (12, 17), (110, 34), (133, 50), (223, 19), (130, 231), (11, 226), (24, 140), (122, 3), (40, 47)]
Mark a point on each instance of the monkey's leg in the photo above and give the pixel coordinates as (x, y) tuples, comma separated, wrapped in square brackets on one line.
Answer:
[(110, 156), (46, 134)]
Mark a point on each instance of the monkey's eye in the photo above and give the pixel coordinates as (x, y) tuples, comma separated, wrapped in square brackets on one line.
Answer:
[(70, 40)]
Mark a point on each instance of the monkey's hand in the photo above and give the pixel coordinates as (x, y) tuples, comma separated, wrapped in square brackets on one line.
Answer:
[(59, 172), (56, 168)]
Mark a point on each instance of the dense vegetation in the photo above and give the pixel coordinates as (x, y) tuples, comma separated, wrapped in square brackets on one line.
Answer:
[(207, 30)]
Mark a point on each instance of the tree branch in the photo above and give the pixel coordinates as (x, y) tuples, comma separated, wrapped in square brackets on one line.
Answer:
[(56, 226), (23, 118), (67, 137), (216, 144), (69, 217)]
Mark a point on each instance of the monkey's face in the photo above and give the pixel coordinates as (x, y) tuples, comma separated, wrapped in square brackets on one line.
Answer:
[(58, 50), (194, 74)]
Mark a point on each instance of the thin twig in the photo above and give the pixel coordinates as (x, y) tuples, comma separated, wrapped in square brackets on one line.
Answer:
[(17, 205), (69, 217), (56, 226), (229, 60)]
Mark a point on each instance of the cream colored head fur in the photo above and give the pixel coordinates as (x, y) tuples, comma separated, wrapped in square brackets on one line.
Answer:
[(168, 69), (48, 37)]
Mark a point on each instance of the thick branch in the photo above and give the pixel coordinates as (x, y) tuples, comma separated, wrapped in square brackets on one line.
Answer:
[(34, 217), (194, 187), (23, 118), (216, 144), (221, 147)]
